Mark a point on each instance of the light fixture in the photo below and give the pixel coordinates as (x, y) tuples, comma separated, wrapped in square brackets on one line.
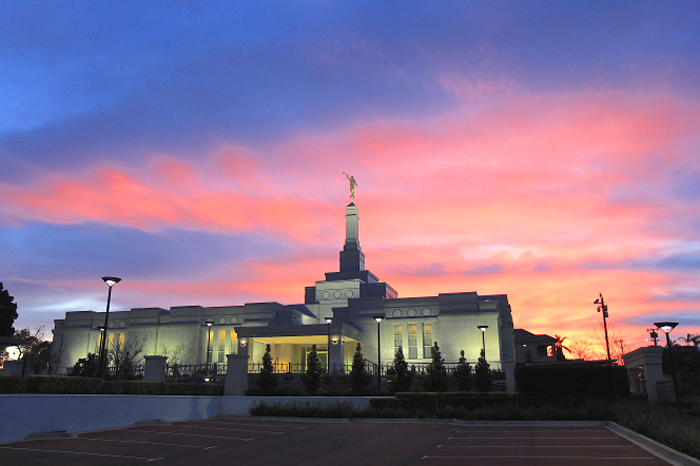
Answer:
[(110, 281), (483, 338), (378, 318), (335, 340), (208, 324), (329, 320), (666, 327), (243, 342)]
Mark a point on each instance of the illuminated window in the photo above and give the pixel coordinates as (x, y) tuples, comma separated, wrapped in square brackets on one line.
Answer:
[(398, 337), (222, 346), (234, 342), (412, 341), (427, 339)]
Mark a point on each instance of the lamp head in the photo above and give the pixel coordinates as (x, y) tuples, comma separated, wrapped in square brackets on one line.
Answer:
[(209, 323), (666, 327), (378, 318), (329, 320), (482, 327), (111, 281)]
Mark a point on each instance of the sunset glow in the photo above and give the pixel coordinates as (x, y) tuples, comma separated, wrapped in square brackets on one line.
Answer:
[(197, 151)]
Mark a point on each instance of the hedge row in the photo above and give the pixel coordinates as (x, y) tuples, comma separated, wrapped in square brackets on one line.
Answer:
[(52, 384), (573, 381)]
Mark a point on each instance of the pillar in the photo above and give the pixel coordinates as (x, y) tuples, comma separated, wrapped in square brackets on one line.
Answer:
[(236, 382), (155, 369)]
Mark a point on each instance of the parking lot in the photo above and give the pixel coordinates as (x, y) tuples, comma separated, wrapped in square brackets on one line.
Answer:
[(250, 441)]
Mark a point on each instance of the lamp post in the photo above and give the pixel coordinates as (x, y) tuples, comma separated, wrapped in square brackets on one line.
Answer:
[(666, 327), (483, 337), (208, 324), (329, 321), (110, 281), (604, 309), (379, 319)]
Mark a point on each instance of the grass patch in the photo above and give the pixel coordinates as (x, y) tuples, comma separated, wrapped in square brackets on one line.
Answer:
[(335, 409)]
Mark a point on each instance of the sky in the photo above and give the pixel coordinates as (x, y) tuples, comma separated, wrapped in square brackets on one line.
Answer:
[(545, 150)]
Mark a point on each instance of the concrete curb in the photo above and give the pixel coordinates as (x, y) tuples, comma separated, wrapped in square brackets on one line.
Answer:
[(662, 451)]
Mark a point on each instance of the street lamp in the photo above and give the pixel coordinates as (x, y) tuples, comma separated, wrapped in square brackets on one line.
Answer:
[(110, 281), (666, 327), (208, 324), (329, 321), (483, 337), (604, 309), (379, 319)]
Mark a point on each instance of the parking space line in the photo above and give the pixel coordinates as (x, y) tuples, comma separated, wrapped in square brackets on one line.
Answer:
[(70, 452), (541, 457), (186, 434), (235, 430), (147, 443), (537, 446), (251, 425), (530, 438)]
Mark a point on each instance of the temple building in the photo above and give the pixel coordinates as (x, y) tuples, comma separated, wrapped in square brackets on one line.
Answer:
[(351, 305)]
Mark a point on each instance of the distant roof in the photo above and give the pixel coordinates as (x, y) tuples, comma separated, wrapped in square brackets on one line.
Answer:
[(7, 341), (523, 336)]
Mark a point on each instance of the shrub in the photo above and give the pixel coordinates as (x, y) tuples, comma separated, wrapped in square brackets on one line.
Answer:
[(482, 374), (436, 375), (463, 374), (401, 378), (359, 376), (62, 385), (267, 380), (313, 379), (10, 384)]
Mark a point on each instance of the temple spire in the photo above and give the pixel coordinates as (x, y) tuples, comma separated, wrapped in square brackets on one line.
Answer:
[(352, 259)]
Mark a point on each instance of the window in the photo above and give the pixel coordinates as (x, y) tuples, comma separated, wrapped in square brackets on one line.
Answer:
[(222, 346), (412, 341), (427, 339), (398, 337), (234, 342)]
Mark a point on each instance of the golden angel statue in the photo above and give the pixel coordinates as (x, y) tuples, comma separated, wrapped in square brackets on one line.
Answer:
[(353, 183)]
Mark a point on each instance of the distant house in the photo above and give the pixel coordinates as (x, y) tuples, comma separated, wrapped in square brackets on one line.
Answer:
[(530, 347), (351, 299)]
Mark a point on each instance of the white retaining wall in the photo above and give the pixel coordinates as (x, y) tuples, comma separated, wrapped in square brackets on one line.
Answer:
[(21, 415)]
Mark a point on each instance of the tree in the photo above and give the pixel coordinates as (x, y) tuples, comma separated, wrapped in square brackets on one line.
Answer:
[(436, 376), (313, 379), (401, 379), (463, 374), (559, 348), (359, 376), (86, 367), (580, 348), (267, 382), (8, 313), (124, 357), (175, 355), (482, 374), (617, 344)]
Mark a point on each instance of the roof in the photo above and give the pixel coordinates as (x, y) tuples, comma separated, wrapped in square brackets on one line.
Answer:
[(523, 336)]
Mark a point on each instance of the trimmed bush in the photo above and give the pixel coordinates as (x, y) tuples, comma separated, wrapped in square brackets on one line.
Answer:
[(573, 381), (62, 385), (10, 384)]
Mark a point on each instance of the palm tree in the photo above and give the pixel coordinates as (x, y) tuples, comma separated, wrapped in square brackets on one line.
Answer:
[(559, 348)]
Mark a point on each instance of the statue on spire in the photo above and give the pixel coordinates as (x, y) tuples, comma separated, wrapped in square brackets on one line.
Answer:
[(353, 183)]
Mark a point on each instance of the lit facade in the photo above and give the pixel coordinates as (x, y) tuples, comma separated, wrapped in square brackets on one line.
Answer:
[(352, 297)]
